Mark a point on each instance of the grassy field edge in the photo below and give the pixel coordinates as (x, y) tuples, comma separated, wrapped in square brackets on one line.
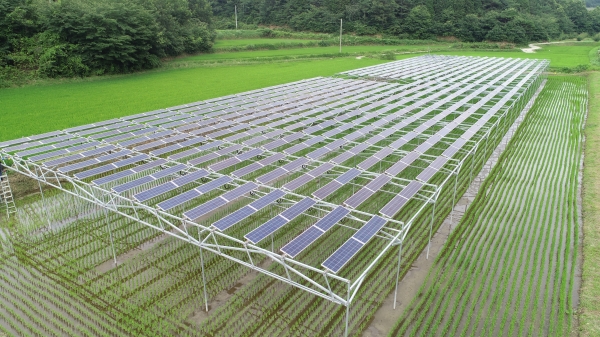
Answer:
[(589, 317)]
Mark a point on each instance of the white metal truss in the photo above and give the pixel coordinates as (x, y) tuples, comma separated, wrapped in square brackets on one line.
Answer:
[(462, 80)]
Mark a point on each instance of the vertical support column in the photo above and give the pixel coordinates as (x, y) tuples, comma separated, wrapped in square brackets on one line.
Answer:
[(347, 312), (398, 273), (454, 198), (431, 227), (203, 276), (44, 200), (112, 243)]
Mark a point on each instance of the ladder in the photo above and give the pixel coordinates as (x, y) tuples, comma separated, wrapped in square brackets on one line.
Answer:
[(6, 195)]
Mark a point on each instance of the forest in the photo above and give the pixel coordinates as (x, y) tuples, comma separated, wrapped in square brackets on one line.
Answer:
[(516, 21), (78, 38), (94, 37)]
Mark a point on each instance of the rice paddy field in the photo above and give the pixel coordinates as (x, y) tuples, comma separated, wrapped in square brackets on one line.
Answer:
[(523, 260), (509, 269)]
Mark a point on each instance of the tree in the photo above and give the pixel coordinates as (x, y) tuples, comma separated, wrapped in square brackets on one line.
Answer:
[(418, 23)]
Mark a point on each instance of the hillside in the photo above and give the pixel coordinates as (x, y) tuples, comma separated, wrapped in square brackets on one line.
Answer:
[(518, 21)]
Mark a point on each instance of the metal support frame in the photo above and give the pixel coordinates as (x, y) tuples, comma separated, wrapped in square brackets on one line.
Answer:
[(319, 285)]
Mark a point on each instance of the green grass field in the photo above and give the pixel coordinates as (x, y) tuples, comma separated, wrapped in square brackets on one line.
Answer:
[(568, 55), (245, 42), (301, 52)]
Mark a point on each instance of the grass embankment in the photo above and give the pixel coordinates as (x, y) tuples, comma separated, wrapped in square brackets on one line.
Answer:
[(589, 318), (43, 108), (566, 55), (509, 267)]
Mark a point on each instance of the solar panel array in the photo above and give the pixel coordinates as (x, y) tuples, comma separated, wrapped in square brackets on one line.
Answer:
[(318, 150)]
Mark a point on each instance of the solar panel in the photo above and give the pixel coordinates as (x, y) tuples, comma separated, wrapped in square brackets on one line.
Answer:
[(190, 177), (214, 184), (368, 163), (298, 182), (199, 149), (368, 231), (246, 170), (342, 157), (392, 207), (239, 191), (250, 154), (178, 200), (78, 156), (296, 246), (132, 184), (203, 159), (359, 197), (295, 164), (110, 167), (205, 208), (349, 175), (270, 176), (266, 229), (224, 164), (411, 189), (332, 218), (274, 144), (318, 153), (50, 147), (298, 208), (296, 148), (326, 190), (423, 147), (234, 218), (169, 186), (340, 257), (52, 154), (426, 174), (267, 199), (90, 162)]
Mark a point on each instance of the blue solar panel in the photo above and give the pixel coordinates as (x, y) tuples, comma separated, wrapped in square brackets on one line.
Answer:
[(368, 231), (298, 208), (392, 207), (246, 170), (340, 257), (214, 184), (203, 159), (167, 187), (110, 167), (190, 177), (296, 246), (276, 173), (239, 191), (250, 154), (234, 218), (266, 229), (295, 164), (326, 190), (155, 192), (267, 199), (346, 177), (205, 208), (179, 200), (332, 218), (133, 184), (224, 164)]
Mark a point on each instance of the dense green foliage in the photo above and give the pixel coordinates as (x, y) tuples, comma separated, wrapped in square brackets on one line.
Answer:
[(517, 21), (85, 37)]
